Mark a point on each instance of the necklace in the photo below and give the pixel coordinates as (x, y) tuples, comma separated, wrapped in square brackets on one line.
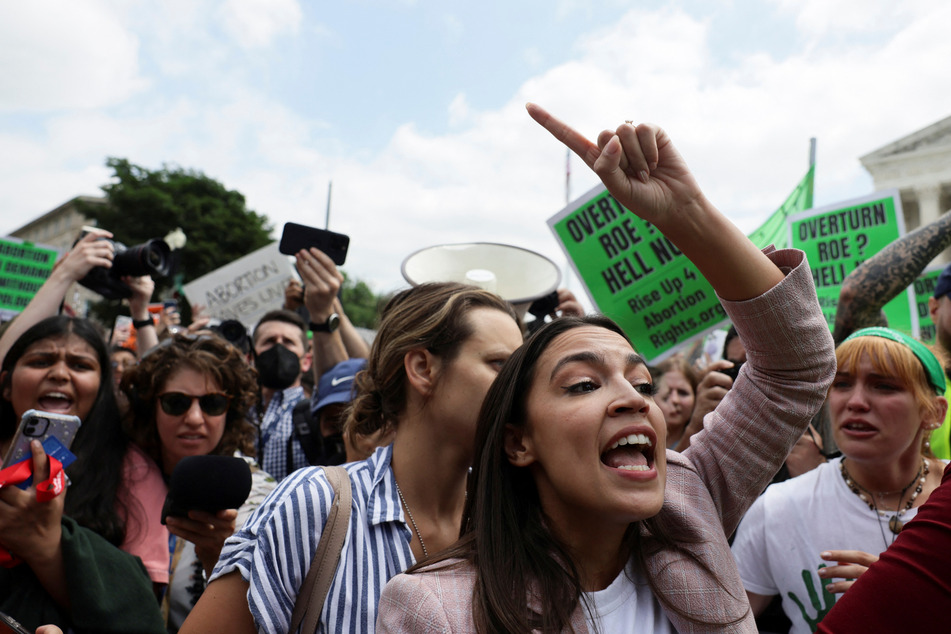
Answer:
[(895, 523), (412, 521)]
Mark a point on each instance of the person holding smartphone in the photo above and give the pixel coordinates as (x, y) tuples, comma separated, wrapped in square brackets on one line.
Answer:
[(72, 572)]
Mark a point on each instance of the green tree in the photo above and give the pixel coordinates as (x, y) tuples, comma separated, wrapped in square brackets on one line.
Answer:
[(362, 305), (145, 204)]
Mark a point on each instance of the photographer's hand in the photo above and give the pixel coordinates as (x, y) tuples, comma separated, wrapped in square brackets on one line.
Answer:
[(85, 255), (142, 287)]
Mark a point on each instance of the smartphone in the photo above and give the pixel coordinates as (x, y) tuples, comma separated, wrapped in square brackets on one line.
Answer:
[(10, 624), (734, 371), (37, 425), (297, 237)]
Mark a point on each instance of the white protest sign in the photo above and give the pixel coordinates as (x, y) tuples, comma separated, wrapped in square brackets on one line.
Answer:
[(246, 288)]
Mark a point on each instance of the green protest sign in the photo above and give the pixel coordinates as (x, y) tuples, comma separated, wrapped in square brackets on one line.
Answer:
[(838, 238), (23, 269), (638, 278), (924, 290), (634, 275)]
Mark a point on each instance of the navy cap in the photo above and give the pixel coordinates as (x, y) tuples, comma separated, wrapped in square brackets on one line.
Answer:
[(336, 385), (943, 286)]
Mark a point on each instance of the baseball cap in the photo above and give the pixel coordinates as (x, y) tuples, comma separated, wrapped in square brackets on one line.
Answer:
[(943, 286), (336, 385)]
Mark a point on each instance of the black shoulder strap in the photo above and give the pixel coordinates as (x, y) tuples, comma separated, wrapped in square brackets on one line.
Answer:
[(307, 432)]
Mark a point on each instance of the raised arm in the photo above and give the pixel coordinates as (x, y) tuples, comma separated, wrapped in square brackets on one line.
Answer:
[(322, 282), (644, 172), (882, 277), (87, 254)]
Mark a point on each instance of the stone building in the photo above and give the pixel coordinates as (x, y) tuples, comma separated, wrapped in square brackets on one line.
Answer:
[(919, 166), (59, 229)]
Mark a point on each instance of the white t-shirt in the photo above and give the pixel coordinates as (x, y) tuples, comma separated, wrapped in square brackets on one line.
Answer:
[(627, 605), (778, 542)]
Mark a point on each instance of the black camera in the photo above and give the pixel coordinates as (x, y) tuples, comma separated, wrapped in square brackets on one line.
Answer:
[(153, 257), (235, 333)]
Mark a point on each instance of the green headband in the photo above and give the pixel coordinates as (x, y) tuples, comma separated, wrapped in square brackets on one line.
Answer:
[(930, 363)]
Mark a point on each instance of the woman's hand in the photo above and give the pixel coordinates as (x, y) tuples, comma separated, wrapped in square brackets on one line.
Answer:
[(646, 174), (638, 164), (28, 528), (207, 531), (851, 564), (32, 530)]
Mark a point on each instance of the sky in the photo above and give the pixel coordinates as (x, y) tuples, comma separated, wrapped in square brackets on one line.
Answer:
[(414, 109)]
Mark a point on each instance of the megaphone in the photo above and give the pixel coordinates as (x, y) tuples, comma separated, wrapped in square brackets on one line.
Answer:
[(515, 274)]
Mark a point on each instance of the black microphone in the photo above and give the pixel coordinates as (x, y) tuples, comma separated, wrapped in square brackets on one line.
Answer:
[(207, 483)]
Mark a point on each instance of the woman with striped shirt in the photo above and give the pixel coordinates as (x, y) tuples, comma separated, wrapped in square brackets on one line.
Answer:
[(438, 349)]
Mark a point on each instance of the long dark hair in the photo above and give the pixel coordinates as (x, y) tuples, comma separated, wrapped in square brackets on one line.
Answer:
[(100, 445), (504, 533), (209, 355)]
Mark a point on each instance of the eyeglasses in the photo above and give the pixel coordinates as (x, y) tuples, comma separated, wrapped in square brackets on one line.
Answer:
[(177, 403)]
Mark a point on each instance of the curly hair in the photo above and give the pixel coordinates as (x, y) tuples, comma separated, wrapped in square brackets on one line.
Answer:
[(433, 316), (209, 355)]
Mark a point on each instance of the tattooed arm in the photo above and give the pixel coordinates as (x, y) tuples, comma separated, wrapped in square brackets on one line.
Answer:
[(880, 278)]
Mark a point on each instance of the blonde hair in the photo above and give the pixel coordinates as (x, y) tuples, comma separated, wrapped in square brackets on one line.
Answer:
[(890, 358)]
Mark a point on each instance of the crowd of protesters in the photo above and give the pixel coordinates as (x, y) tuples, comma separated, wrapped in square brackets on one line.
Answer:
[(495, 478)]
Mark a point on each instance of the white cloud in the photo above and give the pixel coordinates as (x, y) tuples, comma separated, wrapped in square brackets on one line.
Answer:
[(495, 175), (56, 56), (255, 23)]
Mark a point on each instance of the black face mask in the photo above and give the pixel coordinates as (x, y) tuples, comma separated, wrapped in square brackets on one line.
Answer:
[(278, 367)]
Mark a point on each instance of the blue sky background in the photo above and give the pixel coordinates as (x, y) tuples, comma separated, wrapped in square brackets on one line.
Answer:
[(415, 109)]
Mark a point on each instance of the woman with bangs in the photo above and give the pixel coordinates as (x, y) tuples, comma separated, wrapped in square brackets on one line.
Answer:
[(809, 538)]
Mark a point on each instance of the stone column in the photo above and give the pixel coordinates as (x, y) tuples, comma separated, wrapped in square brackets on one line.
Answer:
[(929, 203), (929, 208)]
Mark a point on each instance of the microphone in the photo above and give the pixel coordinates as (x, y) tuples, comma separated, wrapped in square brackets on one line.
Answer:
[(207, 483)]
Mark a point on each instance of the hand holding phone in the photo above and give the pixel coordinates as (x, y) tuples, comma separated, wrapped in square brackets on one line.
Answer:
[(297, 237), (37, 425)]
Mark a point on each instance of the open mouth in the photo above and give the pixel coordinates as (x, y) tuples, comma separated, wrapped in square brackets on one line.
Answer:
[(634, 452), (54, 402), (858, 426)]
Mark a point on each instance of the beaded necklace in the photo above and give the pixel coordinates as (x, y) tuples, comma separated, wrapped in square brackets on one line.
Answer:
[(895, 523)]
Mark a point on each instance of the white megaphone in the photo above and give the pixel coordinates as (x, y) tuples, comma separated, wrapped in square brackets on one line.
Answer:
[(515, 274)]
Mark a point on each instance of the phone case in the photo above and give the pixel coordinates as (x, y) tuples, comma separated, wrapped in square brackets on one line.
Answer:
[(12, 625), (296, 237), (37, 425)]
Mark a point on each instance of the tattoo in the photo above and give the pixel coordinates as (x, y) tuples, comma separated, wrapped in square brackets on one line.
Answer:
[(879, 279)]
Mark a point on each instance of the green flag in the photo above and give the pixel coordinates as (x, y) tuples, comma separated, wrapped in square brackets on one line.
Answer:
[(775, 231)]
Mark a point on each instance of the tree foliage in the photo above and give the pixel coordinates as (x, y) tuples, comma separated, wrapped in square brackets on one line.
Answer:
[(145, 204), (362, 305)]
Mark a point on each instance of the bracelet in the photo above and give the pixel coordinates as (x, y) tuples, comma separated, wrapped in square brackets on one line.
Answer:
[(142, 323)]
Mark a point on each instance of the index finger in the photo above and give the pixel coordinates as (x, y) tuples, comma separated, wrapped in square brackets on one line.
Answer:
[(576, 142), (849, 556)]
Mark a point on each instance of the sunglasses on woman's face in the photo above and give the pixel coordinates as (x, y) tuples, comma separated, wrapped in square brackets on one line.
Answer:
[(177, 403)]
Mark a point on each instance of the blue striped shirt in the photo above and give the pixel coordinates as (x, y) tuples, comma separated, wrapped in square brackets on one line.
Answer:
[(275, 547)]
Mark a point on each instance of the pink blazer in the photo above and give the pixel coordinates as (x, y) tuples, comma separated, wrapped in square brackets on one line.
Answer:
[(790, 364)]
